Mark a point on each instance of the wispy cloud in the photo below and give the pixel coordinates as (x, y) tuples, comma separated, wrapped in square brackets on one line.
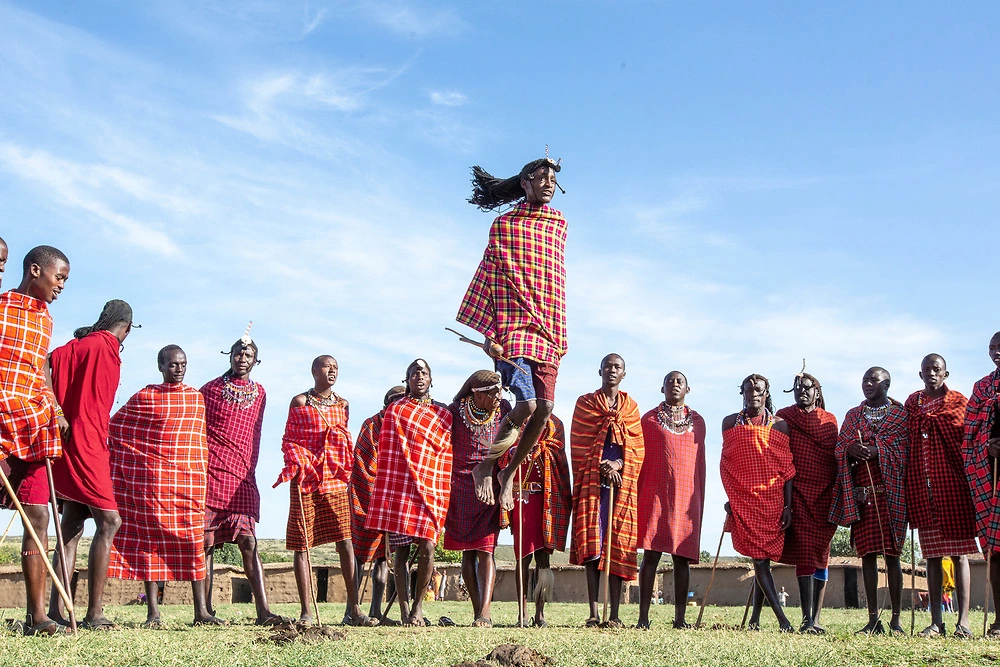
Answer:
[(448, 98), (414, 20), (312, 23)]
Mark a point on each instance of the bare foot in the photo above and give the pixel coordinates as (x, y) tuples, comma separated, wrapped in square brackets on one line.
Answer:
[(506, 492), (482, 475)]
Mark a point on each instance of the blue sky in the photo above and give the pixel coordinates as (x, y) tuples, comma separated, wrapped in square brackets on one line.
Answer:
[(747, 184)]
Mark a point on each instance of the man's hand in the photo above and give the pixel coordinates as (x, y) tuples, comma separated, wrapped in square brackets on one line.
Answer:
[(492, 348), (862, 452), (729, 510), (993, 446), (786, 518), (63, 427), (611, 471)]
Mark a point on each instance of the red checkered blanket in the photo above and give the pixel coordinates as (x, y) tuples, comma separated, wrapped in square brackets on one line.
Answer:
[(980, 467), (367, 543), (317, 448)]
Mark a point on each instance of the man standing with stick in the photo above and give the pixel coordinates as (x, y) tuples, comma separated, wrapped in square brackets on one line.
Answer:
[(607, 451), (980, 450), (869, 496), (517, 300), (30, 417)]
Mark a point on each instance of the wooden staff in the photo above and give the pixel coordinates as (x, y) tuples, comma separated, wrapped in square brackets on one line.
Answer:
[(881, 532), (520, 546), (913, 580), (305, 536), (606, 575), (746, 609), (9, 524), (395, 591), (480, 345), (60, 545), (366, 568), (711, 578), (38, 543), (989, 555)]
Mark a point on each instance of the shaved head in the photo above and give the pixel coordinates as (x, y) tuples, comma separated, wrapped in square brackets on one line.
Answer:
[(931, 358), (320, 360)]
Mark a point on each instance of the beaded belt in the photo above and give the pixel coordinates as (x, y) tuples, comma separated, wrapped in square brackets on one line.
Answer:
[(531, 487), (863, 493)]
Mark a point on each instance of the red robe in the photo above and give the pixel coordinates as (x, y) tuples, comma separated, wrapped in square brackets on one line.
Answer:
[(367, 543), (85, 376), (317, 448), (755, 464), (981, 423)]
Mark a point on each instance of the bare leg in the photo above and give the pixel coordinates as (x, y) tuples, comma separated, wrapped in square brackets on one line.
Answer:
[(425, 568), (806, 592), (962, 589), (482, 474), (253, 568), (471, 583), (209, 581), (615, 582), (33, 565), (379, 576), (486, 577), (869, 572), (647, 579), (894, 573), (345, 549), (401, 576), (74, 516), (819, 593), (152, 601), (541, 563), (108, 523), (682, 579), (762, 570), (935, 577), (529, 436), (593, 588), (303, 583), (522, 588), (201, 611), (758, 604)]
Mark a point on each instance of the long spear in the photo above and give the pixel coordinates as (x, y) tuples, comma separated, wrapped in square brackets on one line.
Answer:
[(464, 339), (711, 579)]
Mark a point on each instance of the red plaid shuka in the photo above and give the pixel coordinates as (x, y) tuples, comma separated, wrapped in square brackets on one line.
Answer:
[(367, 543), (813, 443), (755, 464), (159, 458), (672, 487), (890, 438), (414, 470), (592, 419), (518, 294), (233, 448), (469, 521), (557, 488), (937, 493), (85, 376), (317, 448), (980, 421), (28, 427)]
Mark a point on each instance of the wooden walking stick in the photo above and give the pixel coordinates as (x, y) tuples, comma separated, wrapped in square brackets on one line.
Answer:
[(9, 524), (38, 543), (522, 610), (606, 575), (305, 537), (989, 555), (711, 578), (913, 580), (60, 545), (480, 345), (881, 531), (746, 609)]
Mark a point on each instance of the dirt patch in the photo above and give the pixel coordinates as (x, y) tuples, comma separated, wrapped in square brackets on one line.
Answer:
[(511, 655), (287, 633)]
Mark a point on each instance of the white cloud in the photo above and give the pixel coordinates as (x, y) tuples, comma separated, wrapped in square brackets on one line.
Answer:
[(448, 98), (414, 20)]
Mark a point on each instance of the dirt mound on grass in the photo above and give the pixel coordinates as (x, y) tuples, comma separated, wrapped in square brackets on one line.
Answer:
[(293, 632), (511, 655)]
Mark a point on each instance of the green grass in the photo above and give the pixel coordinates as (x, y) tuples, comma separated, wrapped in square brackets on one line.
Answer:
[(566, 641)]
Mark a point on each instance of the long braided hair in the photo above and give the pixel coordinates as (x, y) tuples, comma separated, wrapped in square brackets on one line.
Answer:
[(490, 193), (752, 379), (115, 312), (820, 401)]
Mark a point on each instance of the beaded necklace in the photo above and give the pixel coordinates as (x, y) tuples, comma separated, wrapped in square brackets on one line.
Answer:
[(742, 419), (676, 419), (239, 395), (422, 400), (476, 420), (876, 414), (928, 405), (317, 401)]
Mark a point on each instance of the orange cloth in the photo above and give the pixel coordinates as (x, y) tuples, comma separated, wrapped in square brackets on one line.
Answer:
[(592, 419), (755, 464)]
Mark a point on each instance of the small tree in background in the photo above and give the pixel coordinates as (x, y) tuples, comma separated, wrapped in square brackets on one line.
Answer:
[(841, 546)]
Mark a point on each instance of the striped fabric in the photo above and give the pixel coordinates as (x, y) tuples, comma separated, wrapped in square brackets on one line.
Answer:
[(813, 442), (518, 294), (937, 492), (549, 453), (755, 464), (327, 518), (28, 427), (592, 419), (159, 458), (672, 487), (233, 449), (317, 448), (980, 425), (367, 543), (890, 437), (413, 482)]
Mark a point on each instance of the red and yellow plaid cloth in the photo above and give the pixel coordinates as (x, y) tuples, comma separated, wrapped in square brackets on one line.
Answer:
[(367, 543), (813, 443), (980, 467), (557, 488), (591, 420), (937, 492), (28, 427), (518, 294), (755, 464), (890, 437), (317, 448), (159, 458), (233, 449), (672, 487), (413, 483)]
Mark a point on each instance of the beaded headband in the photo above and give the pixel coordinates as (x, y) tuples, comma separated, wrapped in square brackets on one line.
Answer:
[(487, 388)]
